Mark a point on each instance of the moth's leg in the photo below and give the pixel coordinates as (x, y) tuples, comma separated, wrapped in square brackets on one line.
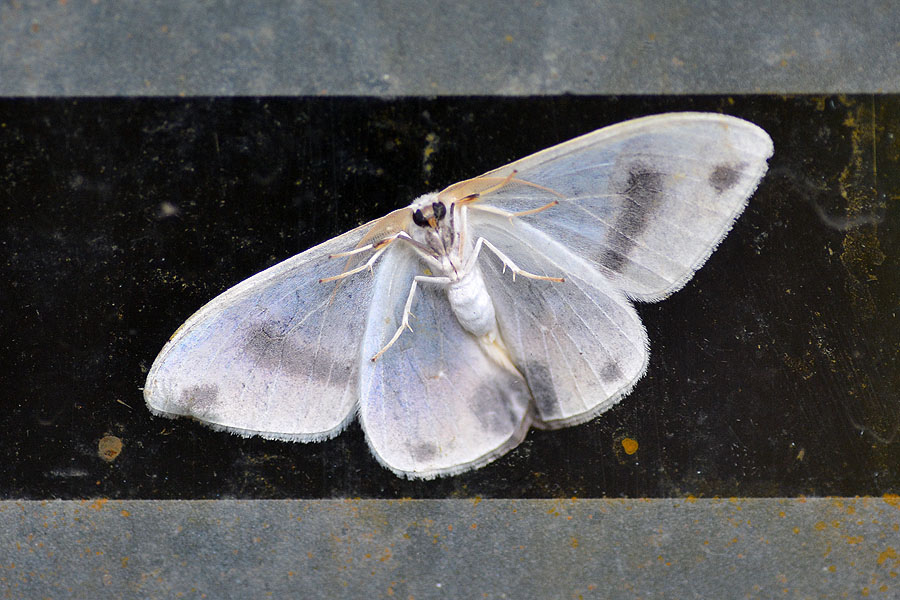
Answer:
[(508, 263), (404, 321), (379, 248), (353, 252), (366, 265)]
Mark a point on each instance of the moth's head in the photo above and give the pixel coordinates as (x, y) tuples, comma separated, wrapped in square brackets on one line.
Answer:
[(429, 215), (432, 223)]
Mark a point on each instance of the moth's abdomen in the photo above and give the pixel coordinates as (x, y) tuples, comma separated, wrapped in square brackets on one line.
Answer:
[(472, 304)]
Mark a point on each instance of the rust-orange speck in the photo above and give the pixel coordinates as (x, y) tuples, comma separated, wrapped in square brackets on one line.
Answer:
[(109, 447)]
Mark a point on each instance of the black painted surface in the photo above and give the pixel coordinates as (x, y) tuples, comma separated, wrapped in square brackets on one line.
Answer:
[(773, 373)]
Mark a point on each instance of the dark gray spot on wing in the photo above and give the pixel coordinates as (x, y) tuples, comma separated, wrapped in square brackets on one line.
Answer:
[(199, 399), (725, 177), (272, 350), (292, 355), (542, 390), (424, 451), (611, 371), (495, 404), (641, 195), (264, 343), (268, 334)]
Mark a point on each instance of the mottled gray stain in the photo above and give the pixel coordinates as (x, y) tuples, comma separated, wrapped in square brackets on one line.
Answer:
[(725, 177), (293, 356), (496, 404), (641, 196), (424, 451), (260, 343), (611, 371), (542, 390), (200, 399)]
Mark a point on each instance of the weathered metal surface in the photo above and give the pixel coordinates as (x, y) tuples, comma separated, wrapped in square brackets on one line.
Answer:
[(400, 47), (566, 548)]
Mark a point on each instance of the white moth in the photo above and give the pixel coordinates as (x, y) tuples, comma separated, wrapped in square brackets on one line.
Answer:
[(453, 325)]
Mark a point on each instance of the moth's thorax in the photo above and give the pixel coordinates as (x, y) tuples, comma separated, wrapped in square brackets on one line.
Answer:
[(439, 233)]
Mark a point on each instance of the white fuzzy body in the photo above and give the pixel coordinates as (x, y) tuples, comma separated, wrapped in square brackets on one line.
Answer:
[(472, 304)]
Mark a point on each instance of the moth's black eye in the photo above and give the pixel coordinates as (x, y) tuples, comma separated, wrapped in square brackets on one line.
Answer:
[(419, 219), (439, 210)]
